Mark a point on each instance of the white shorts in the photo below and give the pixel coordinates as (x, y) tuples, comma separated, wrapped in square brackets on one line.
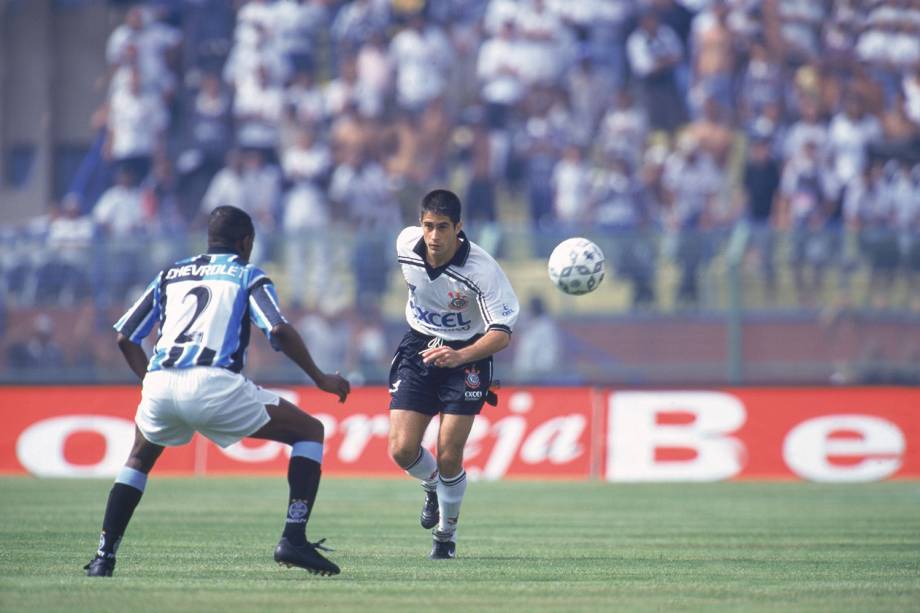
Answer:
[(222, 405)]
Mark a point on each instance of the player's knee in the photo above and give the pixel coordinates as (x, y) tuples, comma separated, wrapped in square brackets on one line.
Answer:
[(314, 430), (450, 461), (402, 453)]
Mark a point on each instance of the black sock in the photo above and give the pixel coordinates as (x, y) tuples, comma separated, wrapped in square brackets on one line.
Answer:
[(123, 500), (303, 479)]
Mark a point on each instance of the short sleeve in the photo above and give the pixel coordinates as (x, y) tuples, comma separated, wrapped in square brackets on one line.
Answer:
[(137, 322), (263, 305), (498, 303)]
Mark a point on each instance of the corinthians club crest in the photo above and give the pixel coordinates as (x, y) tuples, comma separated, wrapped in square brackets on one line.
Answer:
[(457, 301), (472, 377)]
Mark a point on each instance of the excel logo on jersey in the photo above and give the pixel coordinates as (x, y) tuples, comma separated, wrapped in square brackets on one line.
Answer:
[(457, 301), (440, 320)]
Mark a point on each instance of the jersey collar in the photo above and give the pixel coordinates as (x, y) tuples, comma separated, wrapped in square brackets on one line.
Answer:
[(459, 259)]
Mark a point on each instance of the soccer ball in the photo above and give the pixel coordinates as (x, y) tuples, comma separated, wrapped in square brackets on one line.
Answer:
[(576, 266)]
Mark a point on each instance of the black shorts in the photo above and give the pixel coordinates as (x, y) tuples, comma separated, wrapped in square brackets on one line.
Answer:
[(416, 386)]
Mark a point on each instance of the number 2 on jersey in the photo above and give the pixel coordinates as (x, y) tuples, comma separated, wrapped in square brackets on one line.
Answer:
[(203, 297)]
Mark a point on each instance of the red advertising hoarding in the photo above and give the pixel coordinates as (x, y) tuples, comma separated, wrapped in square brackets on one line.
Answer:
[(88, 431), (820, 434)]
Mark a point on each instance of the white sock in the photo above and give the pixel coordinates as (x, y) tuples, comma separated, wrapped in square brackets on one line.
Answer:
[(425, 469), (450, 496)]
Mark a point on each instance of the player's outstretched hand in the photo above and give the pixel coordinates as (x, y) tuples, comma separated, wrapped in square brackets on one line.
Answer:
[(335, 384)]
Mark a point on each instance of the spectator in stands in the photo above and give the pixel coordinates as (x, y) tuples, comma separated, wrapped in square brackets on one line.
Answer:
[(810, 128), (306, 216), (368, 348), (540, 153), (346, 93), (327, 334), (808, 188), (120, 219), (910, 86), (543, 52), (909, 229), (361, 189), (484, 172), (210, 136), (715, 50), (801, 21), (296, 25), (624, 129), (900, 133), (694, 182), (713, 132), (420, 53), (136, 124), (254, 48), (654, 51), (306, 102), (499, 73), (589, 91), (258, 109), (434, 132), (357, 22), (761, 184), (261, 195), (375, 68), (849, 134), (571, 187), (39, 351), (350, 134), (762, 82), (62, 279), (869, 211), (539, 347), (226, 188), (147, 45), (621, 211)]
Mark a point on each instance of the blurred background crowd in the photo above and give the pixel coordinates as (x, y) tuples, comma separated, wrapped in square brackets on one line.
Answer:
[(684, 136)]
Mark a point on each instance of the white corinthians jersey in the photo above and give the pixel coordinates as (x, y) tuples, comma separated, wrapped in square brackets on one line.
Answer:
[(468, 296)]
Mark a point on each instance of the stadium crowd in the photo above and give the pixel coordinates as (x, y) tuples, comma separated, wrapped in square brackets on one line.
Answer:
[(659, 126)]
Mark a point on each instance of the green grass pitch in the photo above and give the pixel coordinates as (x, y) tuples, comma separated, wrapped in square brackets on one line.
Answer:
[(206, 545)]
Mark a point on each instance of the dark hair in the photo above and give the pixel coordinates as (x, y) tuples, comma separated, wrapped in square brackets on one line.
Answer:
[(442, 202), (228, 225)]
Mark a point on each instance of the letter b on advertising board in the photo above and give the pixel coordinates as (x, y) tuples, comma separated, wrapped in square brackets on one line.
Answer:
[(674, 436)]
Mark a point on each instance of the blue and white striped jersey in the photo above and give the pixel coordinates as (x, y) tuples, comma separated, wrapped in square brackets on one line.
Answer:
[(204, 305)]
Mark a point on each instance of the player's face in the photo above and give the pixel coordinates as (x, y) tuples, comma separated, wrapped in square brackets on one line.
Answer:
[(440, 234)]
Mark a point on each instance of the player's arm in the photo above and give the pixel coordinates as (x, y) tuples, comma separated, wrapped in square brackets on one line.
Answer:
[(135, 325), (134, 354), (490, 343), (264, 311), (288, 340)]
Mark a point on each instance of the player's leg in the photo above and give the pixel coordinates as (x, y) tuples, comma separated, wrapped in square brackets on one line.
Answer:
[(413, 402), (407, 428), (289, 425), (452, 436), (123, 499)]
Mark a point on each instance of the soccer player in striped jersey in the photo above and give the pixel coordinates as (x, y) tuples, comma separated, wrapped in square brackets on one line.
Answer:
[(461, 310), (193, 383)]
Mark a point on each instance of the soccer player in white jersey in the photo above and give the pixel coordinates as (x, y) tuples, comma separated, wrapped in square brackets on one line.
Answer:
[(460, 311), (204, 306)]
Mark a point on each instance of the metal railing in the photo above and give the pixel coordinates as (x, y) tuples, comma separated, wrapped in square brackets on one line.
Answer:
[(736, 305)]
